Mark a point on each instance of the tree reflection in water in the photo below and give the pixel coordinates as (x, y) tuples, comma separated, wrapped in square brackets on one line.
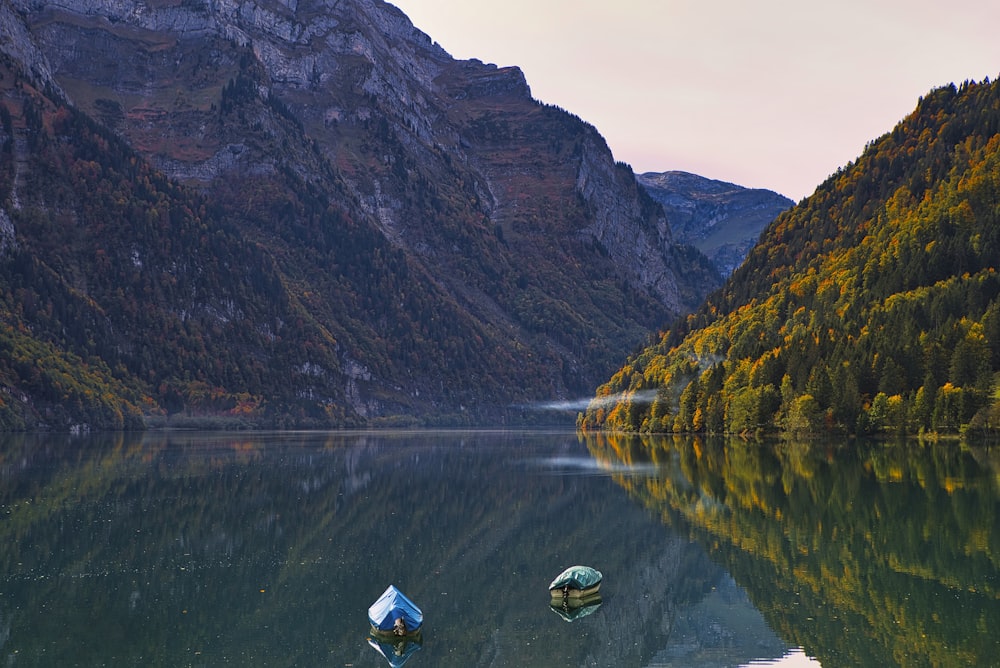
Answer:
[(862, 553)]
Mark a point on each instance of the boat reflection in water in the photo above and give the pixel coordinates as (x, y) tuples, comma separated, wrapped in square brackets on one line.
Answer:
[(396, 651), (571, 609)]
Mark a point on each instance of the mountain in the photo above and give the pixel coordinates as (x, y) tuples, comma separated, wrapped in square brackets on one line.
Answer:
[(873, 305), (720, 219), (303, 214)]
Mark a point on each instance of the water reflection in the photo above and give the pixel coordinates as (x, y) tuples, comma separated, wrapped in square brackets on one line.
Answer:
[(396, 652), (862, 554), (267, 549)]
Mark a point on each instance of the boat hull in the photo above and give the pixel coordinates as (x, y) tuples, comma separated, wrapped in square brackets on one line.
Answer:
[(415, 635)]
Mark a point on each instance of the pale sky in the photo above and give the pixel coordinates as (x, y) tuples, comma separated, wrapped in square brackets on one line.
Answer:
[(764, 93)]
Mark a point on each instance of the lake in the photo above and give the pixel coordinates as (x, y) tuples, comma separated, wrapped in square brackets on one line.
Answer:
[(266, 549)]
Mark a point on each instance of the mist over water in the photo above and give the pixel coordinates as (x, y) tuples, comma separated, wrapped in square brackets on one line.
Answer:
[(582, 404)]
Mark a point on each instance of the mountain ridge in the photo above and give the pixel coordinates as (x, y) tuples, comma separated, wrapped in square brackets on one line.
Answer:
[(307, 214)]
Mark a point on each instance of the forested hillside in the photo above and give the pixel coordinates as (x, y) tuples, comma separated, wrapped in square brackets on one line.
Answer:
[(120, 286), (305, 215), (872, 306)]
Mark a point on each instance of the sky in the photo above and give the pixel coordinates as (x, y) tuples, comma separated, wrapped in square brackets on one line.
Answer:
[(774, 94)]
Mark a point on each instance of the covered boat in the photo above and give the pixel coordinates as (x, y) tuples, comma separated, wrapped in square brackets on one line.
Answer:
[(576, 582), (394, 614)]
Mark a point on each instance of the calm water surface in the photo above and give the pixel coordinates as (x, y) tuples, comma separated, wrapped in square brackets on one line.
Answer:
[(267, 549)]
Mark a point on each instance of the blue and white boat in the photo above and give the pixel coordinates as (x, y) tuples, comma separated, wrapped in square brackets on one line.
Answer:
[(393, 614)]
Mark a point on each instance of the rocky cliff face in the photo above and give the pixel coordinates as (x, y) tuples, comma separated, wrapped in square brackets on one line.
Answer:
[(720, 219), (457, 191)]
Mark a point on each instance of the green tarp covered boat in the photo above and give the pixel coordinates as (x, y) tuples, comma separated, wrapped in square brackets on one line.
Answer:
[(576, 582)]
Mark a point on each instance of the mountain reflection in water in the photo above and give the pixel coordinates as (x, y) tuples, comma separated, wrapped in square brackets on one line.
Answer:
[(267, 549)]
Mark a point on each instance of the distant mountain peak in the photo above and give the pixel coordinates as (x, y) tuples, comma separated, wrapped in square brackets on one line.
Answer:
[(689, 183), (721, 219)]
